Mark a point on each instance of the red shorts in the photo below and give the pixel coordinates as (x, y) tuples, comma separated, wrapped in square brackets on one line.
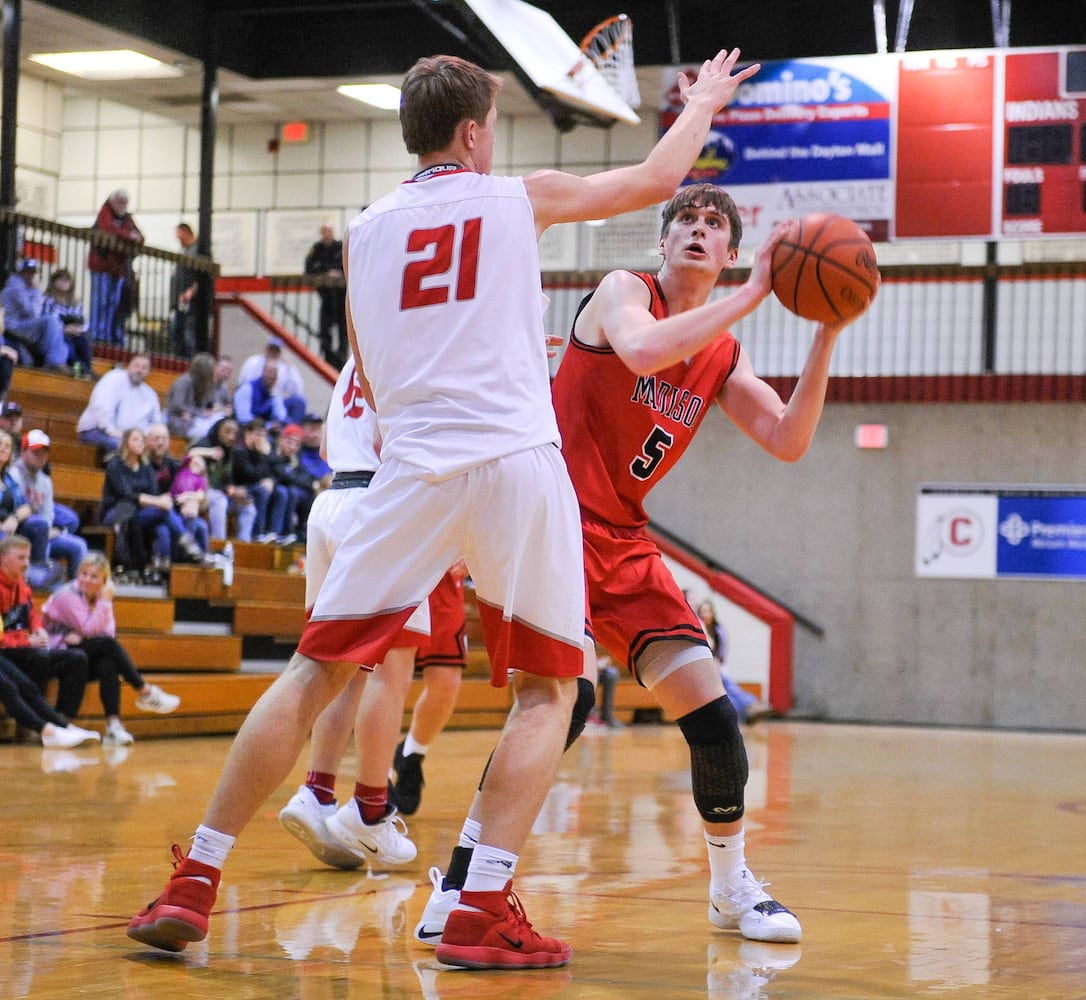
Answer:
[(633, 598), (448, 642)]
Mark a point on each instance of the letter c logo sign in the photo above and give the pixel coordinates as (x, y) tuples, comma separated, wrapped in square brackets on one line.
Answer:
[(962, 532)]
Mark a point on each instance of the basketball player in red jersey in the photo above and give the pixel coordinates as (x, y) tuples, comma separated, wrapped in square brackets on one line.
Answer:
[(444, 317), (648, 355)]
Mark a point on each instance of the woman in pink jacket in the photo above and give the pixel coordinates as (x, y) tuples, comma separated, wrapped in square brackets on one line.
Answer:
[(81, 614)]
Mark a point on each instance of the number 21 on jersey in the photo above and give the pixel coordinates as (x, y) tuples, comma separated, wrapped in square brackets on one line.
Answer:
[(448, 264)]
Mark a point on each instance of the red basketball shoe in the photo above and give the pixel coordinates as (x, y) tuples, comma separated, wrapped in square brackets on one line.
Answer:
[(180, 914), (497, 935)]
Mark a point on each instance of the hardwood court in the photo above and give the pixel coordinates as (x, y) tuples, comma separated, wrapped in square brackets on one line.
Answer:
[(922, 863)]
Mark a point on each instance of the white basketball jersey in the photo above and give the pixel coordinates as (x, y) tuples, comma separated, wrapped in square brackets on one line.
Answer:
[(351, 427), (446, 298)]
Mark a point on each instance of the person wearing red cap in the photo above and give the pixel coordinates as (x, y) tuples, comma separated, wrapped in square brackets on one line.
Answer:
[(30, 474)]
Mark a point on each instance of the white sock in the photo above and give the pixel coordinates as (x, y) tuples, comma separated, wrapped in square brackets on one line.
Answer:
[(726, 855), (411, 745), (470, 833), (210, 847), (490, 869)]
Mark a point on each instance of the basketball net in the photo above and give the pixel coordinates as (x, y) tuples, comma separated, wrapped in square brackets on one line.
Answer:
[(609, 47)]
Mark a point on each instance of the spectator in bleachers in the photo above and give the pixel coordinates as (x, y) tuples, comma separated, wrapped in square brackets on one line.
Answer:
[(120, 400), (24, 640), (325, 259), (183, 289), (310, 454), (80, 616), (260, 398), (139, 514), (189, 492), (27, 706), (165, 469), (291, 386), (199, 398), (11, 420), (38, 337), (60, 301), (32, 477), (302, 486), (253, 469), (748, 707), (17, 518), (113, 283), (224, 492), (157, 455)]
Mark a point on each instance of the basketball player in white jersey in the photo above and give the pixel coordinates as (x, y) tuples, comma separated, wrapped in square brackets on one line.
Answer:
[(444, 317), (366, 828)]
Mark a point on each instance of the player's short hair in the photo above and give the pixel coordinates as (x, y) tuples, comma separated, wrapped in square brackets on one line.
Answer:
[(704, 196), (438, 93)]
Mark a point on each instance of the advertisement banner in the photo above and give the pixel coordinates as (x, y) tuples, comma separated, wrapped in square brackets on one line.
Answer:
[(1001, 532), (804, 135)]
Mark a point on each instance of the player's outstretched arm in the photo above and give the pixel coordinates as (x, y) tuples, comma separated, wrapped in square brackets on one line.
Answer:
[(561, 197)]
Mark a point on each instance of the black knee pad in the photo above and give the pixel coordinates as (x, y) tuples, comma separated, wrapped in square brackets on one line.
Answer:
[(582, 709), (718, 760)]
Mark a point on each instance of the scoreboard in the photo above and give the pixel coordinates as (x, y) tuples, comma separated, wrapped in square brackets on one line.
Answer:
[(1044, 159), (954, 144)]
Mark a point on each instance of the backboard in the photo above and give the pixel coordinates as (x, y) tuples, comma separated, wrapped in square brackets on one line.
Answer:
[(546, 61)]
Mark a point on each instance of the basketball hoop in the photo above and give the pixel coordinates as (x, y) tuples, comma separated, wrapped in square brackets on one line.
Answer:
[(609, 47)]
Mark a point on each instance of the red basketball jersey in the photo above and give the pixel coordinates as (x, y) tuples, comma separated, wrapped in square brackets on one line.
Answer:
[(621, 432)]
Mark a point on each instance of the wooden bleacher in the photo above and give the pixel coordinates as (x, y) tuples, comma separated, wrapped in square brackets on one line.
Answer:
[(259, 618)]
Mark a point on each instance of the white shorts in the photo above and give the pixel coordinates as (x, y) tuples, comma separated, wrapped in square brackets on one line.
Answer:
[(379, 552)]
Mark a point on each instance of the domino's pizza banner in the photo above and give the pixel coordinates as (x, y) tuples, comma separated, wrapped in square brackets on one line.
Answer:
[(926, 145), (992, 532)]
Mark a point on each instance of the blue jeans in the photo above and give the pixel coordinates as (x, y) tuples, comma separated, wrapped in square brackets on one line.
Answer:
[(271, 509), (740, 698), (299, 503), (35, 529), (71, 548), (164, 526), (197, 527), (106, 323), (44, 336), (218, 504), (100, 439)]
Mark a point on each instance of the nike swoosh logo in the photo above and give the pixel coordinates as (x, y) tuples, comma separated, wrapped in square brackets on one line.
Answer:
[(513, 944), (424, 933)]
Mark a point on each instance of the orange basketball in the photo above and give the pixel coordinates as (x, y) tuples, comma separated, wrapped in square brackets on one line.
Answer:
[(826, 269)]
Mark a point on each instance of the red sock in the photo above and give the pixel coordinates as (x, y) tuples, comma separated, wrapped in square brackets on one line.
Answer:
[(372, 801), (322, 785)]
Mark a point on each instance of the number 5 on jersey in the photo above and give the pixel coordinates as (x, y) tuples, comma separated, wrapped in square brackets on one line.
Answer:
[(449, 261)]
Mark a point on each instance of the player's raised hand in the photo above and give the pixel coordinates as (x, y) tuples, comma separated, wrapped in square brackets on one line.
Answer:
[(715, 81), (761, 270)]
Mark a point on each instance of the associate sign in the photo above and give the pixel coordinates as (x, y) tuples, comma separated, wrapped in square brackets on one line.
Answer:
[(986, 532)]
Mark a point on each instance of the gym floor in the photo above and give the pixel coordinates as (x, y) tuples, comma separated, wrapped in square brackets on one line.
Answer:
[(922, 863)]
